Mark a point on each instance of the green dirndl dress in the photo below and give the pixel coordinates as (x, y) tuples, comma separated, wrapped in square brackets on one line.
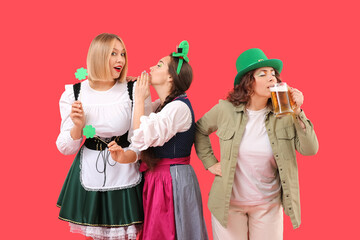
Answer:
[(114, 208)]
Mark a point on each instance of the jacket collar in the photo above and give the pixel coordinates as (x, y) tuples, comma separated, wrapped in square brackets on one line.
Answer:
[(242, 108)]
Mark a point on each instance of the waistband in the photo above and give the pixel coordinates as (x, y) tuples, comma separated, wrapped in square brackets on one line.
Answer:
[(98, 145), (167, 162)]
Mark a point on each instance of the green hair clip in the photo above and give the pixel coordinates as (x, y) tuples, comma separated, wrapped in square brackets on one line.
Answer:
[(181, 53)]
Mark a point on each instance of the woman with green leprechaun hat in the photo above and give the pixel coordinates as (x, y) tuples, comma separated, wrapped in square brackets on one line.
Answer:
[(171, 196), (100, 198), (257, 176)]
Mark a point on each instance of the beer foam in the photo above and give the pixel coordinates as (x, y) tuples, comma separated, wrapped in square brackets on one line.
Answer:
[(282, 88)]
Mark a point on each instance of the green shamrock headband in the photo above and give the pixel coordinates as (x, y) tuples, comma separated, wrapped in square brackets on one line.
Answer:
[(181, 53)]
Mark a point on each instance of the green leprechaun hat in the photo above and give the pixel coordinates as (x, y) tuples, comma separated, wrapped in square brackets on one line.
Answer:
[(252, 59), (181, 53)]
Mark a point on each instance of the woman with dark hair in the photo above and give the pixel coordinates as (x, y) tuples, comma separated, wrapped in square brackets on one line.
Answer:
[(257, 176), (171, 196)]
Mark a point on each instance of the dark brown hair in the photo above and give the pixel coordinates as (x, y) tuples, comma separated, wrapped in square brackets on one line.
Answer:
[(180, 84), (243, 91)]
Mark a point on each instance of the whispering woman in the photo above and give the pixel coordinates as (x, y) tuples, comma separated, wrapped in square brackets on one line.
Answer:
[(171, 196)]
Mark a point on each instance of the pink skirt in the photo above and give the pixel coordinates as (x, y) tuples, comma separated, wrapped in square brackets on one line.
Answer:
[(159, 221)]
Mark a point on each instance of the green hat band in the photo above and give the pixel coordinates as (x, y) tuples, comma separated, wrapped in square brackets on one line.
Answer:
[(181, 53)]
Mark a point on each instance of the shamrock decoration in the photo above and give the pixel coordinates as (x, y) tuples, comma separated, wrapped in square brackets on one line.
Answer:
[(81, 73), (181, 53), (89, 131)]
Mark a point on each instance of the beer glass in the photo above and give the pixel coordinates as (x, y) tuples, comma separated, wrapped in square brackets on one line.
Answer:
[(281, 99)]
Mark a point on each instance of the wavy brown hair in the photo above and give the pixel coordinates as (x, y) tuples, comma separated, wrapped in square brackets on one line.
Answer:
[(243, 91), (180, 84)]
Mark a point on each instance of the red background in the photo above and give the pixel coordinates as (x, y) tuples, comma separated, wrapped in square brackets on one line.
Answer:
[(44, 42)]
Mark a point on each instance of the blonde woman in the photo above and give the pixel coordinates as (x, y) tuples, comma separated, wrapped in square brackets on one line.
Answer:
[(100, 198)]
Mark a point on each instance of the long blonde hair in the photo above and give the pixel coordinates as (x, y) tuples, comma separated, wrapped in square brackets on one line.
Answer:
[(99, 56)]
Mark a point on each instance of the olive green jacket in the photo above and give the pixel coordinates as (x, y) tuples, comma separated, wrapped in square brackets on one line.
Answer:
[(285, 135)]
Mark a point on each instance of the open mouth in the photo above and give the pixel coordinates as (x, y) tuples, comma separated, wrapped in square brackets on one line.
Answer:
[(118, 68)]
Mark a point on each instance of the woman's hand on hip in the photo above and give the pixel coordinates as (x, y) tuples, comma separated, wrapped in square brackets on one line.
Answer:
[(215, 169)]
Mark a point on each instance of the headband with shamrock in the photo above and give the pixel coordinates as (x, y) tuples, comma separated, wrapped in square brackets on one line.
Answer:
[(181, 53)]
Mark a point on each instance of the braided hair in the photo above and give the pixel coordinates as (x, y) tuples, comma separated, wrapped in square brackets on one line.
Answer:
[(180, 84)]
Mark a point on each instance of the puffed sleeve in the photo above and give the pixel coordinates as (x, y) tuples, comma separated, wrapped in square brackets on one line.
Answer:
[(158, 128), (148, 109), (64, 142)]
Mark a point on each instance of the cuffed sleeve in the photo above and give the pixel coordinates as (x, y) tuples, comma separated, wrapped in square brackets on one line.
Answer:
[(66, 145), (306, 141), (135, 150)]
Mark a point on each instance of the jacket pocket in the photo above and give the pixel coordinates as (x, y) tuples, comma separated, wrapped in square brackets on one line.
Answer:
[(286, 141), (286, 133), (226, 136)]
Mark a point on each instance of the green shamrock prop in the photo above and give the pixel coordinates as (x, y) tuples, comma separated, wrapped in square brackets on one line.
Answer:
[(181, 53), (89, 131), (81, 73)]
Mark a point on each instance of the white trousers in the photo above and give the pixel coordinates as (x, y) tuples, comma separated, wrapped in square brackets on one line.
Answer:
[(260, 222)]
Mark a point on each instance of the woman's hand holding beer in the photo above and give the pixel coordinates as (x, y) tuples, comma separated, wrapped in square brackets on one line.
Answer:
[(297, 98)]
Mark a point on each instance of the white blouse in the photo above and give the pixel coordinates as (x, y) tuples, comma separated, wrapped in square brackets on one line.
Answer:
[(158, 128), (110, 113)]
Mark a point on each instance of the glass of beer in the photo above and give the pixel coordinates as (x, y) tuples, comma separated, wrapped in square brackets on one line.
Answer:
[(281, 99)]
